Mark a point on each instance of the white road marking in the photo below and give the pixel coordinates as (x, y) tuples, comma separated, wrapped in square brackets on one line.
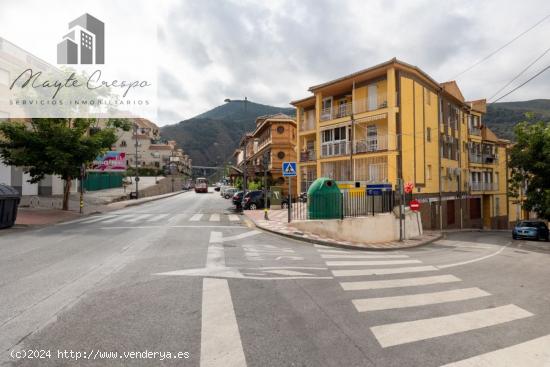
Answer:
[(411, 331), (532, 353), (287, 272), (195, 218), (336, 251), (474, 260), (220, 338), (157, 217), (360, 272), (96, 219), (322, 246), (360, 256), (373, 262), (414, 300), (215, 218), (241, 236), (398, 283), (215, 256), (138, 218), (116, 218), (233, 218), (291, 267), (160, 226)]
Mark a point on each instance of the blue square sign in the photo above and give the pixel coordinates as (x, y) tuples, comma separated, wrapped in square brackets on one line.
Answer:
[(289, 169)]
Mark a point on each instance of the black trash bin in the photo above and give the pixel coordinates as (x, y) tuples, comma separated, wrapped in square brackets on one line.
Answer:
[(9, 201)]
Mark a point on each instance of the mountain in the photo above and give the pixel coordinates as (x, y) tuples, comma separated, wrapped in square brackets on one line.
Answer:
[(502, 117), (211, 137)]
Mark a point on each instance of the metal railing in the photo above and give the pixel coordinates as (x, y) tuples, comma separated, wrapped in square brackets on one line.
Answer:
[(308, 156), (474, 130), (333, 149), (371, 144), (483, 186), (475, 158), (490, 158), (335, 205), (373, 103)]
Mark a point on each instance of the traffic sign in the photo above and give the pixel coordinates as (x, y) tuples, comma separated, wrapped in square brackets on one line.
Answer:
[(289, 169), (414, 205), (377, 189), (409, 187)]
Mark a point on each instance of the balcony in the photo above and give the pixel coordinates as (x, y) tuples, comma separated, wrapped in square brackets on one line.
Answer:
[(308, 156), (475, 158), (373, 103), (490, 159), (307, 122), (474, 130), (335, 149), (483, 186), (371, 144)]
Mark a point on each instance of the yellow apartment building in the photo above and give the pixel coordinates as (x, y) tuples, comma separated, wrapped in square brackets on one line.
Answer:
[(393, 121)]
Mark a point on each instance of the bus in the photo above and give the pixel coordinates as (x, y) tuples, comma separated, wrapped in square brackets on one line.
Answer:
[(201, 185)]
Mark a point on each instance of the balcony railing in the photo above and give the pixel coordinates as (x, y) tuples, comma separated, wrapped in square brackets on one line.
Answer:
[(334, 149), (307, 122), (475, 158), (371, 144), (360, 105), (490, 159), (308, 156), (483, 186), (474, 130)]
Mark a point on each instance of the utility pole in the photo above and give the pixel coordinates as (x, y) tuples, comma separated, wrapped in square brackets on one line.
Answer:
[(136, 165), (245, 168), (266, 217)]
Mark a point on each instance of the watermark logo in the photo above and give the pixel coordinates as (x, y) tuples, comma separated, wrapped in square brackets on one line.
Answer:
[(85, 42)]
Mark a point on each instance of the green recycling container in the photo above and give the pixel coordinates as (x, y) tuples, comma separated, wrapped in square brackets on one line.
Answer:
[(324, 199)]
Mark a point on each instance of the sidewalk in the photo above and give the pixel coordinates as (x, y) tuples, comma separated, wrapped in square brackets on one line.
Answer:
[(278, 224), (41, 217)]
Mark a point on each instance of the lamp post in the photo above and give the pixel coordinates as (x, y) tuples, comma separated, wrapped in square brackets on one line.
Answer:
[(265, 162), (136, 165)]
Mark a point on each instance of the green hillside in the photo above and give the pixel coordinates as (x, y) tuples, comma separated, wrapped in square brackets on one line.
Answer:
[(211, 137), (502, 117)]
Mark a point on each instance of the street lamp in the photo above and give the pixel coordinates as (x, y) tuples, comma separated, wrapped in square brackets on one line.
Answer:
[(265, 162), (136, 157)]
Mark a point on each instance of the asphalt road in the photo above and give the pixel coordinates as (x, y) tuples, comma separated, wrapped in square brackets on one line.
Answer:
[(187, 276)]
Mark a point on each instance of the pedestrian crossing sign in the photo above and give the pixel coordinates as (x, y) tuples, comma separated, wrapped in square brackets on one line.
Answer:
[(289, 169)]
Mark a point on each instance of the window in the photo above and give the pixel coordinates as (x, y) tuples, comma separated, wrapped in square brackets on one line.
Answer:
[(372, 138), (429, 134), (281, 155), (280, 129), (123, 143), (429, 172)]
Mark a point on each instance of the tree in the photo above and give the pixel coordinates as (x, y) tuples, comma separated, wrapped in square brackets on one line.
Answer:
[(56, 146), (530, 164)]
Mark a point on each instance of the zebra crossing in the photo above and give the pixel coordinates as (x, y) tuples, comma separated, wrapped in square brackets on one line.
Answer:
[(406, 277), (157, 219)]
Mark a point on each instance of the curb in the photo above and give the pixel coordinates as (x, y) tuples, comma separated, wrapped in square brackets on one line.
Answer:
[(339, 245), (150, 198)]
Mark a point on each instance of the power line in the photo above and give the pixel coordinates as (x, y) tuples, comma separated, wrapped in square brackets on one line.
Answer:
[(521, 73), (522, 84), (501, 47)]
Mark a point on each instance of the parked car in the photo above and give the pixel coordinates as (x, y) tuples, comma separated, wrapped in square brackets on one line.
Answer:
[(238, 199), (229, 192), (216, 188), (255, 200), (225, 188), (532, 229)]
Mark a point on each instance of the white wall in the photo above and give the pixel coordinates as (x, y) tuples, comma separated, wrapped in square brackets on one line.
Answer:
[(5, 174), (373, 229), (28, 188)]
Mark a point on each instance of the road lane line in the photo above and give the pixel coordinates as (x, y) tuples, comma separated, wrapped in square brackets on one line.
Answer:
[(384, 271), (241, 236), (116, 218), (233, 218), (360, 256), (414, 300), (138, 218), (398, 283), (220, 338), (97, 219), (412, 331), (215, 218), (532, 353), (195, 218), (157, 217), (336, 251), (371, 262), (474, 260)]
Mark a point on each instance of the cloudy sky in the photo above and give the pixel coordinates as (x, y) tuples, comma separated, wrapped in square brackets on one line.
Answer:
[(272, 51), (203, 51)]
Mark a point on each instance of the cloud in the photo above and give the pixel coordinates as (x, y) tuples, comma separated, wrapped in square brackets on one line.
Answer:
[(273, 51)]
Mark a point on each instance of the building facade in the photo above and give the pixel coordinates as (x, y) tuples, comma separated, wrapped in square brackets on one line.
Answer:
[(274, 138), (393, 121)]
